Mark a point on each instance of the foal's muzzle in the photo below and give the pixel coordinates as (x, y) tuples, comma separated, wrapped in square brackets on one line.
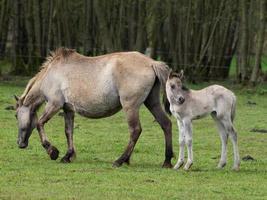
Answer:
[(181, 100)]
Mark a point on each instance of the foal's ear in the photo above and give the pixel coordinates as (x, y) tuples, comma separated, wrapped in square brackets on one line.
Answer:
[(181, 74), (173, 74)]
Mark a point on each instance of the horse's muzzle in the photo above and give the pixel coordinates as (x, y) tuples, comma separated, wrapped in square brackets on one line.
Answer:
[(22, 145)]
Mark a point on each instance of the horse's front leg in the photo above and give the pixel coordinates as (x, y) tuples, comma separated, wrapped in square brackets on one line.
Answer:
[(69, 124), (180, 161), (188, 141), (50, 110)]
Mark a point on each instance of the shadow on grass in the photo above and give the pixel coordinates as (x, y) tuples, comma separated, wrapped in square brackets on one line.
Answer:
[(150, 166)]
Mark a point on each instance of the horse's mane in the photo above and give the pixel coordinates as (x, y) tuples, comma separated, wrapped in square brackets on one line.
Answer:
[(60, 53)]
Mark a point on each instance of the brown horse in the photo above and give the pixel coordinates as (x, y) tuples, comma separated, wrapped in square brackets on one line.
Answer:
[(94, 87)]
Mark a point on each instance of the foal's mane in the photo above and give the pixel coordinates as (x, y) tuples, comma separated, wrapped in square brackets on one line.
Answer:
[(60, 53)]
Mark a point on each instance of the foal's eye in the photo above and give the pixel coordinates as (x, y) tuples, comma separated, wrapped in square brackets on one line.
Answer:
[(172, 86)]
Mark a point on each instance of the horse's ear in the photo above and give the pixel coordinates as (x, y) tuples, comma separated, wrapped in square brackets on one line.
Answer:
[(18, 101), (16, 98)]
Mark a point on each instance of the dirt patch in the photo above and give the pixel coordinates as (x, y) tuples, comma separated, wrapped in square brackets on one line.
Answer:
[(248, 158), (251, 103), (258, 130)]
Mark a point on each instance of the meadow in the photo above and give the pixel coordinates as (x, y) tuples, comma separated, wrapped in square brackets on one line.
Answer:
[(30, 174)]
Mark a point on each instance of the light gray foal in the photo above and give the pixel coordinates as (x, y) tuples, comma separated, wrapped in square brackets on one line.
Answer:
[(187, 105)]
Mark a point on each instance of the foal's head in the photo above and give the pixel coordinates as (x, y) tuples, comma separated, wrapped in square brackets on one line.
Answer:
[(27, 120), (175, 88)]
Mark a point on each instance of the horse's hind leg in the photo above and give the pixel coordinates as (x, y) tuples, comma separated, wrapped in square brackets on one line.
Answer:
[(224, 138), (153, 104), (50, 111), (132, 115), (69, 123)]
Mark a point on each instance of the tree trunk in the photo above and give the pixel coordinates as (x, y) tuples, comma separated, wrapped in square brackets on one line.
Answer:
[(260, 41), (244, 41), (18, 66)]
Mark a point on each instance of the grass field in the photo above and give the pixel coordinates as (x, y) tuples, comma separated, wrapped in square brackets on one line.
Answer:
[(30, 174)]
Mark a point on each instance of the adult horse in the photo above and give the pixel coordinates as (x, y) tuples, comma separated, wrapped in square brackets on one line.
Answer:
[(94, 87)]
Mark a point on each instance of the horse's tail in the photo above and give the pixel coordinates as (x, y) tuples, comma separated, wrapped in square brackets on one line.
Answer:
[(162, 70), (233, 108)]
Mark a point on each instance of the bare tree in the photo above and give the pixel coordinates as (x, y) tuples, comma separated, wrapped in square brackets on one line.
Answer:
[(260, 41)]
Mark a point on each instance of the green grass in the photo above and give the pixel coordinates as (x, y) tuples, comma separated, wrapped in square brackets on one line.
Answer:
[(30, 174), (232, 72)]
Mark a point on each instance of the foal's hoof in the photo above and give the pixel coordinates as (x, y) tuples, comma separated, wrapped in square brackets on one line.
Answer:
[(221, 165), (167, 165), (236, 168), (187, 166), (53, 153), (178, 165)]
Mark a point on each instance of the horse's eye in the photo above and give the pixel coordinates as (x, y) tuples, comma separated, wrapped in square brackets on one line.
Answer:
[(16, 116), (172, 86)]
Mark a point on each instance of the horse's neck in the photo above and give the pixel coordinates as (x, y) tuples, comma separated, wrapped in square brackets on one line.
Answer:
[(34, 98)]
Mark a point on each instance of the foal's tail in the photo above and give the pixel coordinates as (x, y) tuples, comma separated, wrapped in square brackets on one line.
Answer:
[(162, 70), (233, 108)]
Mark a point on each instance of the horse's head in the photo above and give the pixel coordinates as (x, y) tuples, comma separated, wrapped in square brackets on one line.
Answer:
[(175, 87), (27, 120)]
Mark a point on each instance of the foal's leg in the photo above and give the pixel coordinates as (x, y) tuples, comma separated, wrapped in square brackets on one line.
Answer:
[(50, 110), (181, 133), (233, 136), (224, 137), (132, 115), (188, 141), (228, 125), (69, 123)]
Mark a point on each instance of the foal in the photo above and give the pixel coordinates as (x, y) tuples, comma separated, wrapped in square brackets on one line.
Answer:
[(187, 105)]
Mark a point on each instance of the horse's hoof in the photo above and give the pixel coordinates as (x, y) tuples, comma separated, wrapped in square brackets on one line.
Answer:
[(167, 165), (69, 157), (53, 153), (116, 164), (65, 160), (127, 161)]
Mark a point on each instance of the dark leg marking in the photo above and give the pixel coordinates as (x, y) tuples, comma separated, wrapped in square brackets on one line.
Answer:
[(135, 131), (153, 105), (50, 111), (69, 125)]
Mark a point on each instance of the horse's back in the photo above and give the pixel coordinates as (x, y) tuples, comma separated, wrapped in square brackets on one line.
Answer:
[(96, 86)]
